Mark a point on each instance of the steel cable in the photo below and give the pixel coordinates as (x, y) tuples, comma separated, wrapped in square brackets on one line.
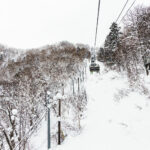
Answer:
[(127, 11), (98, 12), (122, 10)]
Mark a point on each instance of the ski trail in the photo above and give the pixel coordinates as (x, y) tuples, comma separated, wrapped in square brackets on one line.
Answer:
[(98, 130), (111, 125)]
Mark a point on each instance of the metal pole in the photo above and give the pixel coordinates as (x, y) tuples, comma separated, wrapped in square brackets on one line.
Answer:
[(48, 126), (47, 97)]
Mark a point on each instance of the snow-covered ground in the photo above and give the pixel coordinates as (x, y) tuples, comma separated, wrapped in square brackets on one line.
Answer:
[(117, 118)]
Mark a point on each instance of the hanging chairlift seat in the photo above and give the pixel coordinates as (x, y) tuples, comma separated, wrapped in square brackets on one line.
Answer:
[(94, 67)]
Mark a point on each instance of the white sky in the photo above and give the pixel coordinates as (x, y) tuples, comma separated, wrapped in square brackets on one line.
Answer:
[(35, 23)]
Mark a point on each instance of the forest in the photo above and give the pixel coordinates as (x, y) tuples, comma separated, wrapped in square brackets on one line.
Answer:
[(125, 48), (25, 79)]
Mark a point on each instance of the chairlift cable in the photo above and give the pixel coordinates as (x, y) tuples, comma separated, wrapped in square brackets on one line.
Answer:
[(128, 10), (98, 12), (94, 66), (122, 10)]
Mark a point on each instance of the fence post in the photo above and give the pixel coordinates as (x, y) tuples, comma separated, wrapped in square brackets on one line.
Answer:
[(59, 122)]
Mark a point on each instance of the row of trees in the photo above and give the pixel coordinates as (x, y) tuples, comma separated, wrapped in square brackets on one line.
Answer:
[(125, 49), (24, 81)]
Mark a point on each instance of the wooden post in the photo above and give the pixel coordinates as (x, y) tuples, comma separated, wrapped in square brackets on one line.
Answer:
[(59, 132), (147, 68), (59, 123)]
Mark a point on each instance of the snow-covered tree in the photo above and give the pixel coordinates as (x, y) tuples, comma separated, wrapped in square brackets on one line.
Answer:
[(23, 83), (112, 39), (112, 42)]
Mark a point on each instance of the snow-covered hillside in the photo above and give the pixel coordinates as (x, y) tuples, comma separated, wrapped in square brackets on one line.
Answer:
[(27, 78), (117, 118)]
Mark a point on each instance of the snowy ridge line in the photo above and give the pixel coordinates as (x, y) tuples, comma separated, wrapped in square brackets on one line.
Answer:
[(28, 135)]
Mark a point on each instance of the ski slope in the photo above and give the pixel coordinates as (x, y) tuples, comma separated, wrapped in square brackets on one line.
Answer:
[(117, 118)]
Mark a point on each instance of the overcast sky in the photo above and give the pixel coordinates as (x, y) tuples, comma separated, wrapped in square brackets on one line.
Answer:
[(35, 23)]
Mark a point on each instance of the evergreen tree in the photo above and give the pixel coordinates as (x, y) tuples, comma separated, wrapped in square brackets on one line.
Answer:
[(112, 41)]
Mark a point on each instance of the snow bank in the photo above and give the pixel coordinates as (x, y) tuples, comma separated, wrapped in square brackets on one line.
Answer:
[(113, 124), (117, 117)]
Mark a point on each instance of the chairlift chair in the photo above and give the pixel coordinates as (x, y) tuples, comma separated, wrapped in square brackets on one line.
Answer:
[(94, 67)]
